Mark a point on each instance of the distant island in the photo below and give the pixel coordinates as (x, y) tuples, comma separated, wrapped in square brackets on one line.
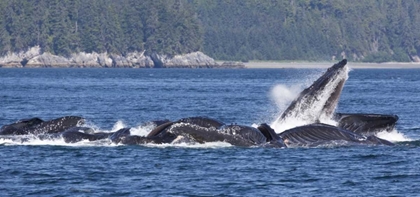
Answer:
[(190, 33)]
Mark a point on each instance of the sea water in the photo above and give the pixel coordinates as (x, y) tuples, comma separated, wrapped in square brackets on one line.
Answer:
[(111, 99)]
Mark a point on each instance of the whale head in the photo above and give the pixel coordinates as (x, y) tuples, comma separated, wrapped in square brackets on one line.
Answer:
[(319, 101)]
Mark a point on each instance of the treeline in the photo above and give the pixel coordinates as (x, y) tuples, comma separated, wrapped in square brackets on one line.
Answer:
[(365, 30), (115, 26)]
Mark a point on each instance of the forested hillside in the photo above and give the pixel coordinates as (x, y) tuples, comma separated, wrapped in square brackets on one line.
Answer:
[(65, 26), (364, 30)]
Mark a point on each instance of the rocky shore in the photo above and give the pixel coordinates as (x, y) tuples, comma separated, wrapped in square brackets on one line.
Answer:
[(34, 58)]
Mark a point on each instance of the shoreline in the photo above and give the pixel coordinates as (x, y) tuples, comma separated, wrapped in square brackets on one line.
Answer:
[(261, 65), (353, 65)]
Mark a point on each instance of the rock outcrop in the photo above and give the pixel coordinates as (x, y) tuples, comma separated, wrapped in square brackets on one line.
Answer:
[(19, 59), (91, 60), (132, 60), (47, 60), (34, 58), (190, 60)]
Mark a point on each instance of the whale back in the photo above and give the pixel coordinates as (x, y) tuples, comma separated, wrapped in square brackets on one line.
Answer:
[(202, 122), (37, 126), (237, 135), (20, 127), (198, 121), (58, 125)]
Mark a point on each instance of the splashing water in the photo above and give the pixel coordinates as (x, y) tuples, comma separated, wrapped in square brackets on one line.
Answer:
[(118, 125), (35, 141), (142, 130), (193, 145), (283, 95), (393, 136), (86, 143)]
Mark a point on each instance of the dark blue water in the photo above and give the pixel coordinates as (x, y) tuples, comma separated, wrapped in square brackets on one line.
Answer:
[(109, 97)]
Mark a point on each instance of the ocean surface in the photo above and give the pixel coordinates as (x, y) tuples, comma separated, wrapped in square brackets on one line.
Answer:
[(114, 98)]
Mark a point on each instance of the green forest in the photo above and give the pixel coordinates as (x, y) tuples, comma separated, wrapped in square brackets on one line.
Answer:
[(241, 30), (114, 26)]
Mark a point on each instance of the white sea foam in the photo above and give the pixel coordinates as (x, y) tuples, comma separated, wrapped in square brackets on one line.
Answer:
[(142, 130), (192, 145), (393, 136), (118, 125), (52, 142), (105, 142)]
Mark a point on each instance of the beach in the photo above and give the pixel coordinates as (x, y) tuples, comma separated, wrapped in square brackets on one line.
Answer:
[(354, 65)]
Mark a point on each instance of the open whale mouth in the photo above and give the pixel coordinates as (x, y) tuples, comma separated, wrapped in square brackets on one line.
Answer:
[(366, 124), (318, 102)]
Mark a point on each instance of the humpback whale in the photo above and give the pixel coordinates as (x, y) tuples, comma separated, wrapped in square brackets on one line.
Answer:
[(199, 130), (315, 103), (76, 134), (191, 130), (320, 99), (319, 134), (366, 124), (36, 126)]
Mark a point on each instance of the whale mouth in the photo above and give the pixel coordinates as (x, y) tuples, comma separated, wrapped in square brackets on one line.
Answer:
[(318, 102), (366, 124)]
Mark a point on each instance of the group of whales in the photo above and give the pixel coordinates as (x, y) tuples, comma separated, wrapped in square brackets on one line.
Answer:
[(314, 103)]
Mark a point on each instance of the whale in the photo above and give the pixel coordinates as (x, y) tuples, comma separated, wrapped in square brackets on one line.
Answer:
[(319, 134), (313, 104), (201, 130), (366, 124), (77, 134), (311, 135), (319, 102), (320, 99), (37, 126), (197, 130)]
